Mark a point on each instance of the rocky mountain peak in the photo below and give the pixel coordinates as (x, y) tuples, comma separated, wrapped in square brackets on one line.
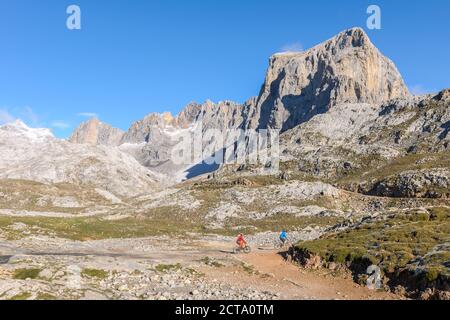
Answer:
[(20, 129), (159, 119), (96, 133), (348, 68), (355, 37)]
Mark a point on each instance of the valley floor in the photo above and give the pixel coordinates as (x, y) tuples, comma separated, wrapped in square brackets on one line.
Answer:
[(161, 268)]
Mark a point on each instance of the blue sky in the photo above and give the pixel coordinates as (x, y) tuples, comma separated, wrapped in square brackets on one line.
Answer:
[(133, 57)]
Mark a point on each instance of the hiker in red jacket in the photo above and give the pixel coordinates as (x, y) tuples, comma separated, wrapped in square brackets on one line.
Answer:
[(241, 241)]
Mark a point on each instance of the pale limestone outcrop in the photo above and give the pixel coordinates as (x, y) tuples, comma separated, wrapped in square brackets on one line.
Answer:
[(97, 133)]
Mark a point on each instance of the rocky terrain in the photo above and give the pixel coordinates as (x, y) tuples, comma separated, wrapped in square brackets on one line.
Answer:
[(137, 269), (36, 155), (363, 179)]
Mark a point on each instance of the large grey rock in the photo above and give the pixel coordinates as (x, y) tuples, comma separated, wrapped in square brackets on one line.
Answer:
[(430, 183)]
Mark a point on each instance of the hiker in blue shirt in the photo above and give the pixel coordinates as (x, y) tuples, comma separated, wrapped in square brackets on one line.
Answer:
[(283, 237)]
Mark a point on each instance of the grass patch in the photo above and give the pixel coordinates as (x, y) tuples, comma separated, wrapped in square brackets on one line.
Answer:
[(249, 269), (28, 195), (21, 296), (159, 222), (212, 262), (45, 296), (95, 273), (275, 223), (163, 268), (22, 274), (194, 272), (392, 244), (401, 164), (95, 228)]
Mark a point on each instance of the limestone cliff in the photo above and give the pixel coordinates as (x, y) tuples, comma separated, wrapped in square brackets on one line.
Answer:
[(97, 133)]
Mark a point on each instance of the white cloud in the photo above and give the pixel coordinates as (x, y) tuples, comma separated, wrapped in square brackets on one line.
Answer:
[(292, 47), (25, 114), (30, 117), (88, 114), (60, 125), (6, 117), (419, 89)]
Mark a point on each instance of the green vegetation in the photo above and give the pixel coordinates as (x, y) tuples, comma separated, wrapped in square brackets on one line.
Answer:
[(45, 296), (168, 267), (95, 273), (212, 262), (408, 162), (249, 269), (275, 223), (96, 228), (22, 274), (392, 244), (21, 296), (194, 272), (35, 196), (157, 223)]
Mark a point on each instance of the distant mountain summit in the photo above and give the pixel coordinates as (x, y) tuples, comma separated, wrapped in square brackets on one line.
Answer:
[(97, 133), (21, 129)]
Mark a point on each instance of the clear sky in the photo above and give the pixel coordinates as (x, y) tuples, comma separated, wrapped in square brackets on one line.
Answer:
[(133, 57)]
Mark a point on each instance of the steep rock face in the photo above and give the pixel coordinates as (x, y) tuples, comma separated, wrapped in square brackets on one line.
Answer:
[(431, 183), (152, 139), (36, 155), (149, 128), (222, 115), (346, 69), (370, 147), (97, 133)]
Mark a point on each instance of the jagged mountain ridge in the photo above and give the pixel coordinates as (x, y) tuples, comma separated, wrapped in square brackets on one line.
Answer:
[(345, 69)]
